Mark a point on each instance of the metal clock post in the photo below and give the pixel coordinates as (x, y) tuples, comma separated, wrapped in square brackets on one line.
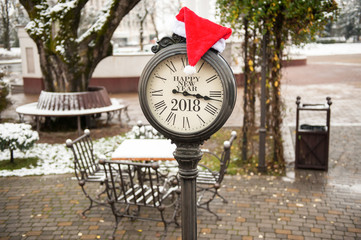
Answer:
[(187, 110)]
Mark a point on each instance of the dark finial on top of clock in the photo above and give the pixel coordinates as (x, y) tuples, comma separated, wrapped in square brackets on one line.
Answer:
[(167, 41)]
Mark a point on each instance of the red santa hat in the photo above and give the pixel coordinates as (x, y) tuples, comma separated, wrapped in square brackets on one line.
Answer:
[(201, 35)]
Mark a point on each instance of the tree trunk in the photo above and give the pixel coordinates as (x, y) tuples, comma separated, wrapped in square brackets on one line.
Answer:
[(12, 156), (5, 23), (60, 76), (67, 60), (253, 82), (245, 97), (154, 25), (278, 158), (141, 28)]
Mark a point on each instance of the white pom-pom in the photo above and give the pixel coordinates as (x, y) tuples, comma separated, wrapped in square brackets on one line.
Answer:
[(189, 70)]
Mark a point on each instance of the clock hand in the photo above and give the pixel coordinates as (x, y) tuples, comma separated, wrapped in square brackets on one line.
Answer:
[(185, 93), (209, 98)]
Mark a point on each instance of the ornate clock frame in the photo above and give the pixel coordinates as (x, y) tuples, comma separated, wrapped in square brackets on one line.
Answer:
[(188, 152)]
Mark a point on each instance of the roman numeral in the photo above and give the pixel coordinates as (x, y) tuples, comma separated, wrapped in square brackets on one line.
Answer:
[(186, 122), (200, 119), (160, 106), (215, 94), (161, 78), (199, 69), (171, 66), (211, 109), (171, 118), (214, 77), (184, 61), (157, 93)]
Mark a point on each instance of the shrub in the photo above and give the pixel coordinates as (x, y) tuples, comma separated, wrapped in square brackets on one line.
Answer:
[(16, 136), (4, 92)]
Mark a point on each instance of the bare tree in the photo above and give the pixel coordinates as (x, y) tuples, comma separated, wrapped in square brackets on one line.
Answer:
[(5, 21), (141, 16), (153, 15), (67, 58)]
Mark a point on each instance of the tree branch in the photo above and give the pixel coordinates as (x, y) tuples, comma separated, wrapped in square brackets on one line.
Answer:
[(100, 33), (108, 22)]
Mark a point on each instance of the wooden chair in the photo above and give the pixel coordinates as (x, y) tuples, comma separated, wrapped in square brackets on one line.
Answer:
[(209, 182), (137, 185), (86, 167)]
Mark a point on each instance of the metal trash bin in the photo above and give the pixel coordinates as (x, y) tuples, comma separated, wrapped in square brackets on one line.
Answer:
[(312, 141)]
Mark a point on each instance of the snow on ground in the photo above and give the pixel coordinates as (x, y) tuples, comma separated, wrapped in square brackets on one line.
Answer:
[(13, 53), (55, 158), (58, 159), (311, 49), (318, 49)]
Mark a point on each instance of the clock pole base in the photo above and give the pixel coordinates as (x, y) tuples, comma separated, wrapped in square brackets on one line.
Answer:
[(188, 155)]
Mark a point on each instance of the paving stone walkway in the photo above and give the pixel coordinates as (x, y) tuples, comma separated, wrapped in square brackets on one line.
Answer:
[(313, 205)]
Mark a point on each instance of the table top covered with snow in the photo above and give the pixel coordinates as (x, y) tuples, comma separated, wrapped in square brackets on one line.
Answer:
[(145, 150)]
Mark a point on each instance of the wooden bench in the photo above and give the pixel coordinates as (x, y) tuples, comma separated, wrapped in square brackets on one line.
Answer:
[(209, 182), (74, 104), (141, 185)]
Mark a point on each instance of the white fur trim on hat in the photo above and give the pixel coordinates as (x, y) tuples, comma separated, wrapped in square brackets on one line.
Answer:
[(220, 45), (179, 28)]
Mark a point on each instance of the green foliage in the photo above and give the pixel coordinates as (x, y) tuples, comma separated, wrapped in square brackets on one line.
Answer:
[(301, 20), (237, 166), (4, 92), (278, 23)]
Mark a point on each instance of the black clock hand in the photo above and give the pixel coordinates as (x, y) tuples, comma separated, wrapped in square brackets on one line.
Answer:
[(185, 93)]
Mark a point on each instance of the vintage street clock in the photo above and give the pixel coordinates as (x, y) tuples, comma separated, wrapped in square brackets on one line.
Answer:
[(186, 108)]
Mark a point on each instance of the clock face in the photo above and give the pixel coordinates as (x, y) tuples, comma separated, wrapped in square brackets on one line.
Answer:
[(186, 108), (184, 103)]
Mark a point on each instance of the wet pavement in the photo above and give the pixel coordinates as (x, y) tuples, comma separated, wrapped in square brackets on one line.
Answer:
[(305, 204)]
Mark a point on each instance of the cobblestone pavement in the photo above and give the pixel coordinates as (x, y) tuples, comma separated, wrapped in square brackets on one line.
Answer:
[(259, 207), (305, 204)]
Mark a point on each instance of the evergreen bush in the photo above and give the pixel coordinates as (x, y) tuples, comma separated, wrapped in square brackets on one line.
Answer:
[(17, 136), (4, 92)]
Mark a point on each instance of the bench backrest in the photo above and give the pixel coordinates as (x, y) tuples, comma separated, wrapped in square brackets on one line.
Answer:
[(226, 156), (133, 183), (85, 164), (96, 97)]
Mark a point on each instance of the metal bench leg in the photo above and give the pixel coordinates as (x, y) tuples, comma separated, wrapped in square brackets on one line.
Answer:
[(37, 119), (79, 125), (120, 115), (206, 204), (109, 117), (21, 117), (220, 196), (126, 113)]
